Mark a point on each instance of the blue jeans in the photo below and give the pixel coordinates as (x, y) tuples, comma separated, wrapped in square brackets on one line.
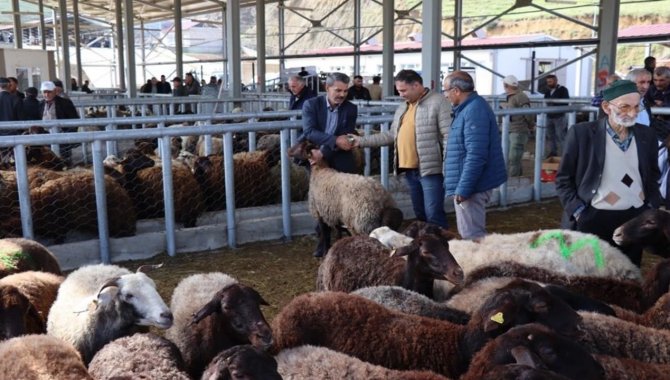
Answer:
[(427, 195)]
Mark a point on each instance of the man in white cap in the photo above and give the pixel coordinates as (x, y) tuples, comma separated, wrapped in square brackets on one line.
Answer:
[(608, 173), (520, 125), (54, 107)]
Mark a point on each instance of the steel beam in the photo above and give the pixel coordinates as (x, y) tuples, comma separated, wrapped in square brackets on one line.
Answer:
[(233, 35), (282, 41), (260, 46), (65, 44), (178, 37), (77, 45), (130, 47), (608, 25), (43, 27), (458, 28), (18, 32), (387, 43), (120, 56), (357, 37)]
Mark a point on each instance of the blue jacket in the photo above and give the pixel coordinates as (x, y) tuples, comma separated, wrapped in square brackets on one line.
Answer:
[(474, 160), (314, 119)]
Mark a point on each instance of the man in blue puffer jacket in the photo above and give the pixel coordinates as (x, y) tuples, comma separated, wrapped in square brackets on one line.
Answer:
[(474, 165)]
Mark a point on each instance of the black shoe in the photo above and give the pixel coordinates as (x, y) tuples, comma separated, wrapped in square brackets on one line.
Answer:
[(318, 253)]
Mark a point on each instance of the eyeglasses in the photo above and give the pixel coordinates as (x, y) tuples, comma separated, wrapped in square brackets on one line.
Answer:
[(449, 89), (626, 108)]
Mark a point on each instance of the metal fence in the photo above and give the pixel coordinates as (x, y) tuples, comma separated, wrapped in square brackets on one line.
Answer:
[(99, 205)]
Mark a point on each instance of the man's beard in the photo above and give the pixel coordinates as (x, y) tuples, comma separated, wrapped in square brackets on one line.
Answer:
[(624, 121)]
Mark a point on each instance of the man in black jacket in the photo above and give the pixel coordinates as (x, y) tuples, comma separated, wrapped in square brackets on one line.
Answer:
[(557, 124), (299, 92), (54, 107), (31, 106), (609, 173)]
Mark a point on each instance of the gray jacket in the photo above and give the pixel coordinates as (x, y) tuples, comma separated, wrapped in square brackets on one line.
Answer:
[(433, 118)]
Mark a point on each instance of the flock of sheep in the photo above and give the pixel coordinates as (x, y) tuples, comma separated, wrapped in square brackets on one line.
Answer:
[(420, 304)]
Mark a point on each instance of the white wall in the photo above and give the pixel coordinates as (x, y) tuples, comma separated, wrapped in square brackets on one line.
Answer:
[(39, 64)]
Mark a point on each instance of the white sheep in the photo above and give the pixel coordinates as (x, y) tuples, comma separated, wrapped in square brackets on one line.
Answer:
[(360, 203), (213, 312), (40, 357), (311, 362), (99, 303)]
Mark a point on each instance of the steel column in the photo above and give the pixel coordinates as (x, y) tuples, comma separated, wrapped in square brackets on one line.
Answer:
[(144, 55), (388, 47), (77, 46), (608, 25), (234, 63), (260, 45), (130, 47), (178, 37), (65, 44), (120, 56), (458, 28), (18, 32), (282, 41), (357, 37), (43, 27)]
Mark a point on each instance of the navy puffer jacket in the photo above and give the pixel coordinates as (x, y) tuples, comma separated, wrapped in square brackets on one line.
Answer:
[(474, 160)]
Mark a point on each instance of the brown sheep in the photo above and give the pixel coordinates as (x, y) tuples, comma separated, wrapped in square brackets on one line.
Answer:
[(361, 328), (658, 316), (41, 357), (143, 180), (21, 255), (360, 261), (251, 172), (26, 299), (243, 360)]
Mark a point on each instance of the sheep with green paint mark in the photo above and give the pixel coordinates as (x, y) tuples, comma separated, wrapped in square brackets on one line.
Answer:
[(20, 255)]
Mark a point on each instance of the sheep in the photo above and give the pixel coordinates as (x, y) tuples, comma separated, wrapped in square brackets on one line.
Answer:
[(651, 229), (536, 346), (214, 312), (20, 255), (145, 356), (359, 261), (607, 335), (409, 302), (25, 300), (360, 203), (68, 203), (251, 173), (658, 316), (358, 327), (572, 253), (656, 283), (243, 361), (625, 293), (40, 357), (143, 180), (520, 372), (99, 303), (310, 362)]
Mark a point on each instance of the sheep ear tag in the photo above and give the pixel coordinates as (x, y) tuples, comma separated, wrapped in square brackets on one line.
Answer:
[(498, 318)]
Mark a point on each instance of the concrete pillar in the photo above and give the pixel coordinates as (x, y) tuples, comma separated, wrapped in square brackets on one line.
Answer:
[(260, 45), (608, 25), (387, 43), (18, 32), (431, 47), (77, 44), (43, 27), (130, 47), (357, 37), (120, 56), (178, 37), (233, 34), (65, 45)]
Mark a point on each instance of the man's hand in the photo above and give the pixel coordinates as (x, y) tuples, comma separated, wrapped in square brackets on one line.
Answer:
[(343, 142), (355, 140), (460, 198), (315, 156)]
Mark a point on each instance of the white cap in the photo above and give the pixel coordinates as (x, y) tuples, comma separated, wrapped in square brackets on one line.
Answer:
[(48, 86), (511, 81)]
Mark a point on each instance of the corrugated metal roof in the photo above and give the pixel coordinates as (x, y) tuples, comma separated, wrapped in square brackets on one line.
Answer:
[(646, 30)]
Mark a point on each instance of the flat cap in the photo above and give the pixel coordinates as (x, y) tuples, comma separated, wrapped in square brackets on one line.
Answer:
[(619, 88)]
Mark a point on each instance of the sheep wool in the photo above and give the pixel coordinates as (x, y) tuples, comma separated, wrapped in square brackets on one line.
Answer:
[(20, 255), (40, 289)]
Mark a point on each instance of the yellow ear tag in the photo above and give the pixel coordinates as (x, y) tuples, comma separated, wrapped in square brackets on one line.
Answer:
[(498, 318)]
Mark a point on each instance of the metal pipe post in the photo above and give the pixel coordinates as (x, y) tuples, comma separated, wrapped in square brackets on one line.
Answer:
[(229, 180), (101, 201), (367, 152), (285, 184), (505, 149), (384, 160), (539, 152), (387, 53), (23, 188), (168, 197)]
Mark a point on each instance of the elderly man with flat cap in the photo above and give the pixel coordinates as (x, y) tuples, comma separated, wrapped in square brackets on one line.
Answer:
[(608, 173)]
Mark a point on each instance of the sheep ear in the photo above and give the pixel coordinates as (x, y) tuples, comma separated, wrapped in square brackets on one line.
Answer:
[(449, 235), (209, 308), (107, 292), (403, 251), (148, 268)]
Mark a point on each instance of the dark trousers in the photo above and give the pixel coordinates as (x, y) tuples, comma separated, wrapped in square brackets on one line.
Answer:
[(602, 223)]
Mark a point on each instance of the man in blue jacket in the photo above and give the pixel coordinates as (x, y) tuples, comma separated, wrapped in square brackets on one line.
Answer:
[(328, 119), (474, 165)]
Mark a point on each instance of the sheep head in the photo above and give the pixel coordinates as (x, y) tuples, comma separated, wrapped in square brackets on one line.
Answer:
[(135, 161), (243, 361), (239, 306), (537, 346), (522, 302), (137, 291), (651, 229), (17, 314), (431, 256)]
